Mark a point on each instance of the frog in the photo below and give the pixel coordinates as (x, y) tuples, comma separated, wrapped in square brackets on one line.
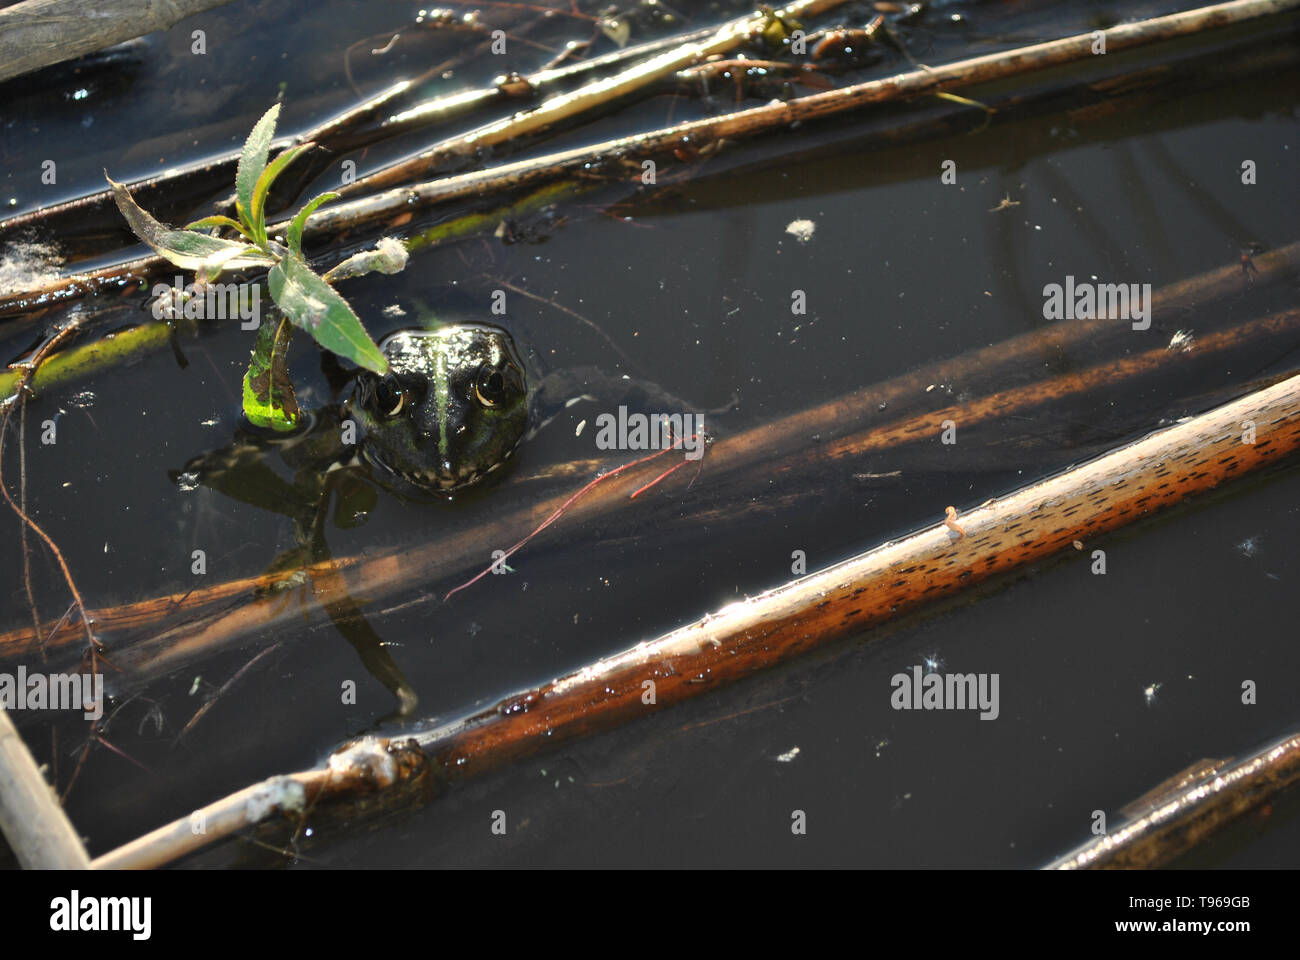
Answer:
[(450, 412), (457, 402)]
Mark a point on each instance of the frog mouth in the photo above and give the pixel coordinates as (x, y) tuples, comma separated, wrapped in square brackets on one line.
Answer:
[(433, 479)]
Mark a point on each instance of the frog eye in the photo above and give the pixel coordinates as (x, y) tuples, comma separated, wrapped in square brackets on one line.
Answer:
[(491, 385), (389, 397)]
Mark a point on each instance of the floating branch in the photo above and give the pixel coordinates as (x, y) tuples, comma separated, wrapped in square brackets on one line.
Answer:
[(366, 768), (1174, 822)]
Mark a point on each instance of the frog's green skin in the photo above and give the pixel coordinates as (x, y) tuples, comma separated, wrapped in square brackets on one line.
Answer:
[(451, 410)]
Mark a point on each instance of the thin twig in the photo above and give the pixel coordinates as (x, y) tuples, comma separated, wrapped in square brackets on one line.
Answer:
[(211, 701), (22, 502), (30, 370), (500, 281)]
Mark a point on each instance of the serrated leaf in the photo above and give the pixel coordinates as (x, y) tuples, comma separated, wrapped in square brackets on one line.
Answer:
[(294, 235), (263, 185), (187, 249), (269, 400), (252, 161), (312, 304)]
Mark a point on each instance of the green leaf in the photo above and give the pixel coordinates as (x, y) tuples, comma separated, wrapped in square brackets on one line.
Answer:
[(312, 304), (263, 186), (294, 235), (185, 248), (208, 223), (269, 400), (252, 161)]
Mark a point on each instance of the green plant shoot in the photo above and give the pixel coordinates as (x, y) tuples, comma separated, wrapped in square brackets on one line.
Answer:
[(306, 299)]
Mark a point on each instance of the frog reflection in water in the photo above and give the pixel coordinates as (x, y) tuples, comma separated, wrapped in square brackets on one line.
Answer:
[(450, 413)]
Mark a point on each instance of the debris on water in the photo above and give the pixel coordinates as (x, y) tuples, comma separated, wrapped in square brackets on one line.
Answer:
[(801, 230), (1249, 547), (788, 756), (1149, 693), (25, 264), (1182, 341), (581, 426), (619, 31), (187, 482)]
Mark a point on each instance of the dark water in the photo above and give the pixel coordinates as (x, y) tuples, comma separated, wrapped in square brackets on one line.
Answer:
[(1109, 683)]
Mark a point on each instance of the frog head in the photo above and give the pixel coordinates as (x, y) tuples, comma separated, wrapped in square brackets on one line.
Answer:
[(451, 409)]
